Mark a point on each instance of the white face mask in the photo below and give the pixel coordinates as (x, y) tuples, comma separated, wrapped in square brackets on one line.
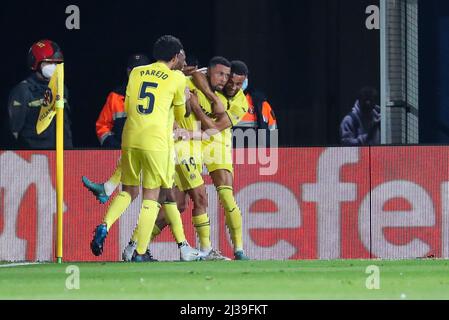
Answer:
[(48, 70), (245, 84)]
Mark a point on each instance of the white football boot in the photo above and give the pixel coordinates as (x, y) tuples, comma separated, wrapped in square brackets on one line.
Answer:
[(213, 255), (187, 253), (129, 250)]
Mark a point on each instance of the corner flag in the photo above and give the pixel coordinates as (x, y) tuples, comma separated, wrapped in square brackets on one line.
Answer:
[(53, 95), (54, 105)]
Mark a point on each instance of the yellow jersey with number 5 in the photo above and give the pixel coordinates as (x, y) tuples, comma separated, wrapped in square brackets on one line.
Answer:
[(153, 91)]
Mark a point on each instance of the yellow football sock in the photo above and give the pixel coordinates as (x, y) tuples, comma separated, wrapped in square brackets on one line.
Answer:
[(120, 203), (156, 231), (147, 218), (114, 180), (134, 236), (173, 218), (233, 215), (117, 175), (202, 227)]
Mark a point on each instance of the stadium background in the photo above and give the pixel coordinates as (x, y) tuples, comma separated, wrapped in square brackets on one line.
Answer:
[(310, 57), (322, 203)]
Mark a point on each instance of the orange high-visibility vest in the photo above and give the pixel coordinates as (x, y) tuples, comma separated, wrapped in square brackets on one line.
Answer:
[(112, 116), (249, 120)]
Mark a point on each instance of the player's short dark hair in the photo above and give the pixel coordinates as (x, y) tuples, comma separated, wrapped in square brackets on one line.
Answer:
[(368, 93), (136, 60), (166, 47), (239, 68), (219, 60)]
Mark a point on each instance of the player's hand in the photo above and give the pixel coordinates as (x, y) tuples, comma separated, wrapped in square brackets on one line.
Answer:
[(187, 93), (181, 134), (374, 125), (188, 109), (194, 104)]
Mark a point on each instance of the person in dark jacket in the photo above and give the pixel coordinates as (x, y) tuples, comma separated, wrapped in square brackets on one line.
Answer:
[(26, 98), (362, 125), (260, 116)]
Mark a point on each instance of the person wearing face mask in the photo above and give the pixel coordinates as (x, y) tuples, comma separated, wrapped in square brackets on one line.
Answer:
[(260, 115), (362, 125), (26, 98)]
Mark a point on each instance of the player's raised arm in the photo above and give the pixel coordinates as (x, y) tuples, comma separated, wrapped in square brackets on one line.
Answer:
[(179, 100), (221, 123), (200, 81)]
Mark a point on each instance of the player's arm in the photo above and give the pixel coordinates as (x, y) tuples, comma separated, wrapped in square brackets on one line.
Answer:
[(189, 70), (184, 134), (180, 111), (200, 81), (221, 123), (179, 100), (188, 108), (236, 109), (178, 133)]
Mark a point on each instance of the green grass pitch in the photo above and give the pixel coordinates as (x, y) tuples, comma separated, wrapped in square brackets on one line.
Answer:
[(235, 280)]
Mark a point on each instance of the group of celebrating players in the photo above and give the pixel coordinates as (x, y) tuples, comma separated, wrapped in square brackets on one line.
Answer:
[(176, 122)]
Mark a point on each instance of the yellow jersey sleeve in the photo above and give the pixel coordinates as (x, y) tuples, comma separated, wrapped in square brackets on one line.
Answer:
[(126, 105), (190, 83), (237, 107), (179, 97)]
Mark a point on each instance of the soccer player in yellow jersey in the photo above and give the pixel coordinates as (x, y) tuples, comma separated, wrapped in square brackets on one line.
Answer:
[(167, 198), (217, 153), (190, 156), (189, 162), (189, 167), (169, 214), (154, 93)]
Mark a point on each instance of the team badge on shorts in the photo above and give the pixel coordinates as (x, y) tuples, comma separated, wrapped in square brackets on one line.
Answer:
[(192, 176)]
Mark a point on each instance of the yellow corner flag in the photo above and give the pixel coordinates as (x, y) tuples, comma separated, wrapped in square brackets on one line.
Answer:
[(59, 106), (52, 105), (53, 95)]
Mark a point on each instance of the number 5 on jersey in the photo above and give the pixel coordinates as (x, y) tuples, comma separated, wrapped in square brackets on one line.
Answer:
[(148, 108)]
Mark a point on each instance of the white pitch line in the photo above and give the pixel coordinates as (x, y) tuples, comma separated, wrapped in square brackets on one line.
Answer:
[(18, 264)]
